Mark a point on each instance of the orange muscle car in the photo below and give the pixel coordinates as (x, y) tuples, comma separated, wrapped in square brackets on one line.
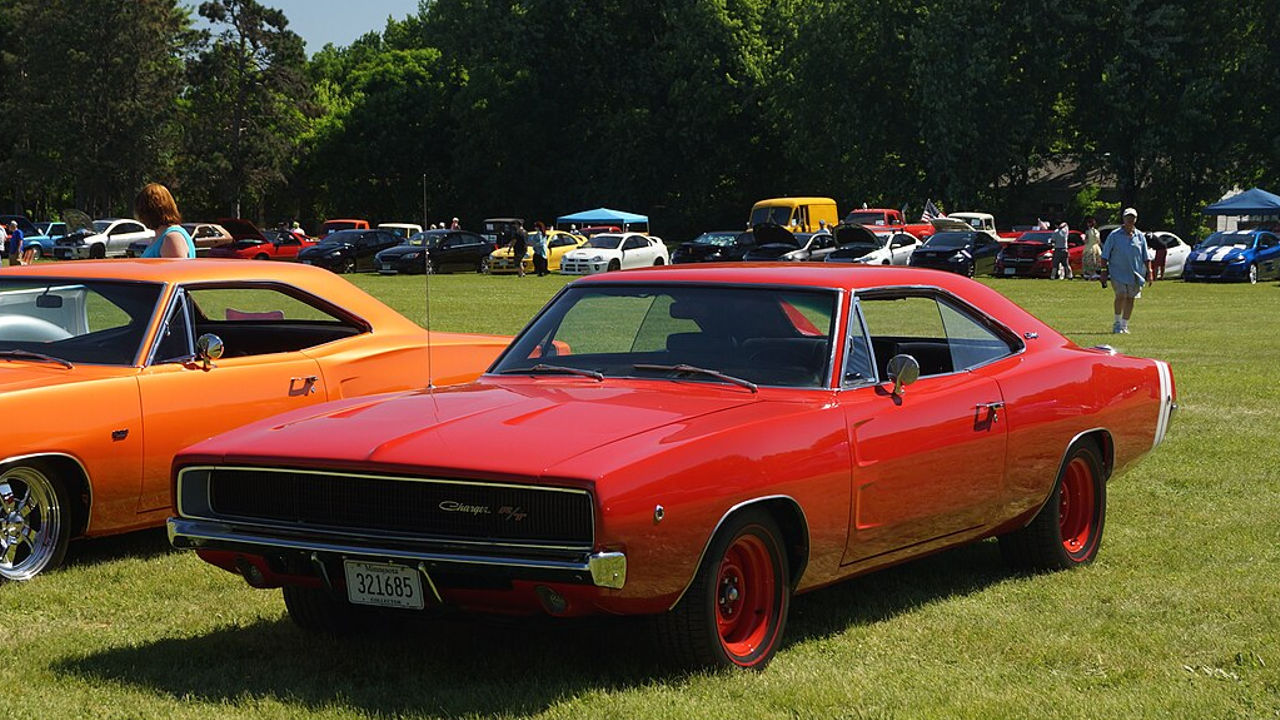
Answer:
[(108, 368)]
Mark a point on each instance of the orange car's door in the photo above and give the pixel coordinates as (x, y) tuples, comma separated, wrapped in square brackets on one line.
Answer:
[(924, 468), (182, 404)]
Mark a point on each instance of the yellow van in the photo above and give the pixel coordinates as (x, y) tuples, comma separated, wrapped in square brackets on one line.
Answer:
[(798, 214)]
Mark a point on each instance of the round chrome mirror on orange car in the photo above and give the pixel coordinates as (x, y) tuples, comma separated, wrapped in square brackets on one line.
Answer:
[(209, 347), (903, 370)]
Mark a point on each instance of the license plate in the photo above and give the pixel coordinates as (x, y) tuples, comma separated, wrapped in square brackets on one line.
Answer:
[(1010, 271), (386, 266), (383, 585)]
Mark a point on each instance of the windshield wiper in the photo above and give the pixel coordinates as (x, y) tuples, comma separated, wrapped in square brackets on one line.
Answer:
[(561, 369), (695, 370), (38, 357)]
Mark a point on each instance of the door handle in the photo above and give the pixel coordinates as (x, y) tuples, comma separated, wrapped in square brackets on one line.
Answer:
[(303, 385), (993, 409)]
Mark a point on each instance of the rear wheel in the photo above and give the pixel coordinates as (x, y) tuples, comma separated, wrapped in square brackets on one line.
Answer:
[(657, 262), (35, 521), (348, 265), (1068, 530), (734, 613), (483, 269)]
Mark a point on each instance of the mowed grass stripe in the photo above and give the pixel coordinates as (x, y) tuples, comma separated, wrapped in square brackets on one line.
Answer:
[(1178, 618)]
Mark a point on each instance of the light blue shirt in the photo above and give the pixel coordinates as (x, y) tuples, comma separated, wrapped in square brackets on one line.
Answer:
[(1126, 257), (538, 241), (153, 250)]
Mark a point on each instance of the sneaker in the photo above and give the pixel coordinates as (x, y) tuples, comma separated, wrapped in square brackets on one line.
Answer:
[(1116, 329), (1124, 329)]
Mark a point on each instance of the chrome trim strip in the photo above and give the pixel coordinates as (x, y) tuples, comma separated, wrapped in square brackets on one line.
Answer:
[(179, 297), (608, 569), (192, 534), (1166, 402), (387, 536), (707, 545), (855, 312), (88, 521)]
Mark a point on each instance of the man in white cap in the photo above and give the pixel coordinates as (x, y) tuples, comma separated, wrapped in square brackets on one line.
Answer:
[(1124, 261)]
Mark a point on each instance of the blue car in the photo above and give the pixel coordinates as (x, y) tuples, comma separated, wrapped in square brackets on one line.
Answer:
[(1236, 255), (41, 244)]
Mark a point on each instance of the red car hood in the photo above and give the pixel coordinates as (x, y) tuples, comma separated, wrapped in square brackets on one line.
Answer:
[(484, 429)]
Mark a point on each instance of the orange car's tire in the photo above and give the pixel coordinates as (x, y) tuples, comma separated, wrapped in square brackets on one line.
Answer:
[(35, 521), (734, 613), (1067, 531)]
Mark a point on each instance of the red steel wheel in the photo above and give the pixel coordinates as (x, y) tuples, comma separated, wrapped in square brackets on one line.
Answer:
[(734, 612), (1076, 509)]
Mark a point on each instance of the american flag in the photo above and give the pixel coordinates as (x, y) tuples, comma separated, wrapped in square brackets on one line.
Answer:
[(931, 212)]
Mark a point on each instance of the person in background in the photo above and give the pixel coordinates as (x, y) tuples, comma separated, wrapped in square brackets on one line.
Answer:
[(1158, 258), (538, 241), (519, 245), (1124, 262), (4, 241), (1092, 250), (455, 225), (1061, 258), (298, 232), (15, 243), (154, 208)]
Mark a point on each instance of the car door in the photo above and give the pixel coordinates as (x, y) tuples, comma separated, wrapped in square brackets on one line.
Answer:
[(984, 254), (124, 232), (264, 372), (1268, 255), (471, 250), (900, 248), (637, 252), (929, 463), (821, 245), (1176, 254)]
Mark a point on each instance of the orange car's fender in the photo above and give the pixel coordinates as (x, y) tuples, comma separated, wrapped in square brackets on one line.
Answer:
[(401, 362)]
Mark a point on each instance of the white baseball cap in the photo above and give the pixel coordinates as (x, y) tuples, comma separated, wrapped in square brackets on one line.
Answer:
[(1129, 211)]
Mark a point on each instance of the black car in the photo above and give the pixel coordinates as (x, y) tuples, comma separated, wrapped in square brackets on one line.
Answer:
[(446, 249), (347, 251), (774, 242), (963, 252), (715, 246), (499, 231)]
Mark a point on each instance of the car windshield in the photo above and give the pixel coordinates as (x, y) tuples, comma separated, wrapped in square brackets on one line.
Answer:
[(1229, 240), (100, 226), (761, 335), (95, 322), (718, 239), (605, 242), (770, 214), (43, 227), (864, 218), (946, 240)]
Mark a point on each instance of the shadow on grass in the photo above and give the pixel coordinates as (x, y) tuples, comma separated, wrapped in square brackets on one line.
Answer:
[(142, 545), (466, 665)]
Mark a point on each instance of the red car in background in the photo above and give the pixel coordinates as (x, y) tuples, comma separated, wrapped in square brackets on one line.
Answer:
[(1031, 255), (250, 243)]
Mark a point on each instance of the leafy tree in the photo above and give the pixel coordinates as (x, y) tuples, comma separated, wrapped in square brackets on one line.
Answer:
[(245, 106)]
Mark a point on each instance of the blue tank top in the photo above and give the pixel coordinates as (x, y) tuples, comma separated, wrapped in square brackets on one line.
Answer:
[(153, 250)]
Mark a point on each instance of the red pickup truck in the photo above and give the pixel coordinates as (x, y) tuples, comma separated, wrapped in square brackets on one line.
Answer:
[(887, 219)]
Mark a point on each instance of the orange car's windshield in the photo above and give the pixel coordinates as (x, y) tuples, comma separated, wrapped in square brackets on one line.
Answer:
[(96, 322)]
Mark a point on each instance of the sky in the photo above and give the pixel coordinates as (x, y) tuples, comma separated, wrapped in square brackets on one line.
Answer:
[(337, 21)]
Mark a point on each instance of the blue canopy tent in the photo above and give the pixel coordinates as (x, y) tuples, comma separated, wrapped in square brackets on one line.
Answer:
[(605, 216), (1250, 202)]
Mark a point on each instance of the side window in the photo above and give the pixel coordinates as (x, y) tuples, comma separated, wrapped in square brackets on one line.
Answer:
[(1267, 240), (940, 336), (859, 366), (263, 320), (635, 243), (901, 241), (175, 341)]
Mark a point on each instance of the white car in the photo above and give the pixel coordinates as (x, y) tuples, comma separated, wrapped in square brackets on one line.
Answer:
[(108, 237), (1176, 251), (615, 251), (888, 247)]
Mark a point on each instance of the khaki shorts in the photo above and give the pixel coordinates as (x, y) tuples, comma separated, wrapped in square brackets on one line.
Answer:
[(1127, 290)]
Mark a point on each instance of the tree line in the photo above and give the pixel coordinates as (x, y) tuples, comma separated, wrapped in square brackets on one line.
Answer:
[(688, 110)]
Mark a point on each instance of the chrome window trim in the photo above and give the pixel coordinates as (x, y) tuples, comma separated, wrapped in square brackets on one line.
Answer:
[(369, 476), (855, 311), (179, 297), (937, 294), (804, 519)]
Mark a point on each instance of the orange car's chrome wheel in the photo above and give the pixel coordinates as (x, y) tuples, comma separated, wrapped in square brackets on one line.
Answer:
[(32, 533)]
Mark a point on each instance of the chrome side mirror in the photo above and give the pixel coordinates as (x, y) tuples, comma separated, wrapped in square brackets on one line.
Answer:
[(903, 370), (209, 347)]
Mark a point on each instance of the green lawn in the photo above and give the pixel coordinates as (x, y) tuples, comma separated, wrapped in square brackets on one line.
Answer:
[(1178, 618)]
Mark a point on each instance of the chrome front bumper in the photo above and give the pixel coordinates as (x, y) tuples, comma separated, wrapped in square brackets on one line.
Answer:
[(602, 569)]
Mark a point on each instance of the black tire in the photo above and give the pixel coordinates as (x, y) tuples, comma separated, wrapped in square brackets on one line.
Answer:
[(701, 631), (348, 266), (38, 518), (971, 270), (261, 256), (321, 611), (1067, 531), (657, 262), (97, 252), (614, 265)]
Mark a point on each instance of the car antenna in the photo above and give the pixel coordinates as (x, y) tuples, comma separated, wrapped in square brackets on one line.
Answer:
[(426, 281)]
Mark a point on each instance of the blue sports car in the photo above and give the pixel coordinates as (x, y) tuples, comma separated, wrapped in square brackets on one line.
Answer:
[(1237, 255)]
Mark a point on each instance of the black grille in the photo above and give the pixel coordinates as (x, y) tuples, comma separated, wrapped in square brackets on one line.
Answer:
[(410, 507)]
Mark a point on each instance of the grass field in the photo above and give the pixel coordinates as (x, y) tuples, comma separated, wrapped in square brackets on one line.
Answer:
[(1178, 618)]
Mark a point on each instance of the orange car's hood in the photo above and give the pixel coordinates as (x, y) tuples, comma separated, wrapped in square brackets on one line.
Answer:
[(26, 375), (487, 428)]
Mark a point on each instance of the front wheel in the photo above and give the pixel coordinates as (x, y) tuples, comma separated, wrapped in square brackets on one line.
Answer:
[(614, 265), (1253, 274), (318, 610), (261, 256), (483, 269), (1068, 530), (734, 612), (97, 252), (35, 523), (348, 266)]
